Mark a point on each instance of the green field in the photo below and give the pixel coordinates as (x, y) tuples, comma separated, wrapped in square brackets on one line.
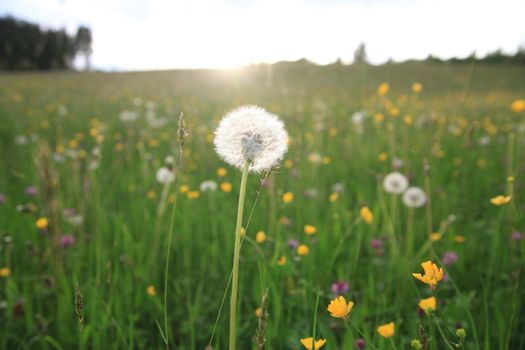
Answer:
[(91, 172)]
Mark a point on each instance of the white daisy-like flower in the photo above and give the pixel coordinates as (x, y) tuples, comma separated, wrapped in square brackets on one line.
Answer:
[(164, 175), (414, 197), (250, 133), (395, 183), (208, 185)]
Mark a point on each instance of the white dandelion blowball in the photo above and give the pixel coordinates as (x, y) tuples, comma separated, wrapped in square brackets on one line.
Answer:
[(414, 197), (164, 175), (250, 133), (395, 183), (208, 185)]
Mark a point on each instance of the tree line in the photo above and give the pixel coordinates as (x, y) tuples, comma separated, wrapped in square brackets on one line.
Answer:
[(26, 46)]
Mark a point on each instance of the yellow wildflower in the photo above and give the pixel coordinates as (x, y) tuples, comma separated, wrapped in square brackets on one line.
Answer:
[(428, 304), (366, 214), (151, 195), (302, 250), (339, 308), (500, 200), (288, 163), (42, 223), (151, 291), (281, 261), (309, 229), (287, 197), (221, 172), (334, 197), (258, 312), (518, 106), (417, 88), (260, 237), (309, 343), (436, 236), (226, 187), (459, 239), (383, 88), (193, 194), (5, 272), (382, 156), (432, 275), (386, 330)]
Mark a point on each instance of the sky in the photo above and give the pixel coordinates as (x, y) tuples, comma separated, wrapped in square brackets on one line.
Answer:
[(165, 34)]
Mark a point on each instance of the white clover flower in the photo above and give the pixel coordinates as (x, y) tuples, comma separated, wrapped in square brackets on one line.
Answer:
[(414, 197), (164, 175), (395, 183), (250, 133), (208, 185)]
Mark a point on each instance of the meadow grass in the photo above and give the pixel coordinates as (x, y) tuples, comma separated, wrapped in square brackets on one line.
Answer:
[(458, 139)]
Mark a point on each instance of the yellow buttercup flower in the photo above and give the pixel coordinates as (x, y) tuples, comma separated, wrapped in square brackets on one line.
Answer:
[(383, 88), (436, 236), (258, 312), (193, 194), (428, 304), (339, 308), (287, 197), (42, 223), (221, 172), (417, 88), (226, 187), (518, 106), (281, 261), (309, 229), (500, 200), (309, 343), (151, 195), (151, 291), (334, 197), (260, 237), (366, 215), (382, 156), (5, 272), (386, 330), (302, 250), (459, 239), (184, 188), (432, 275)]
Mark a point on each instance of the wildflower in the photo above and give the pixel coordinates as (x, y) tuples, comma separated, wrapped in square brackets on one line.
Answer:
[(221, 172), (395, 183), (208, 185), (416, 344), (302, 250), (67, 241), (414, 197), (379, 117), (383, 88), (309, 229), (226, 187), (288, 163), (459, 239), (258, 312), (309, 343), (193, 194), (243, 231), (417, 88), (518, 106), (151, 195), (449, 258), (164, 175), (42, 223), (151, 291), (184, 188), (31, 191), (287, 197), (432, 275), (516, 235), (5, 272), (386, 330), (366, 215), (339, 308), (260, 237), (360, 343), (382, 156), (3, 198), (281, 261), (376, 243), (434, 237), (334, 197), (250, 133), (500, 200), (428, 304), (339, 287)]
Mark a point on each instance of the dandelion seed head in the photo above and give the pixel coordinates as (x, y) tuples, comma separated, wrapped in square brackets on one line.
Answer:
[(164, 175), (414, 197), (250, 133), (395, 183)]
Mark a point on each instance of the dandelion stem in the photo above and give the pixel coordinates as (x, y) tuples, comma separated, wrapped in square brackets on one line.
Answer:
[(236, 253)]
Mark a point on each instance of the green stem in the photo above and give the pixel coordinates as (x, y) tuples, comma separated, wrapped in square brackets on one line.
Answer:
[(236, 253), (368, 342), (441, 332), (393, 344)]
